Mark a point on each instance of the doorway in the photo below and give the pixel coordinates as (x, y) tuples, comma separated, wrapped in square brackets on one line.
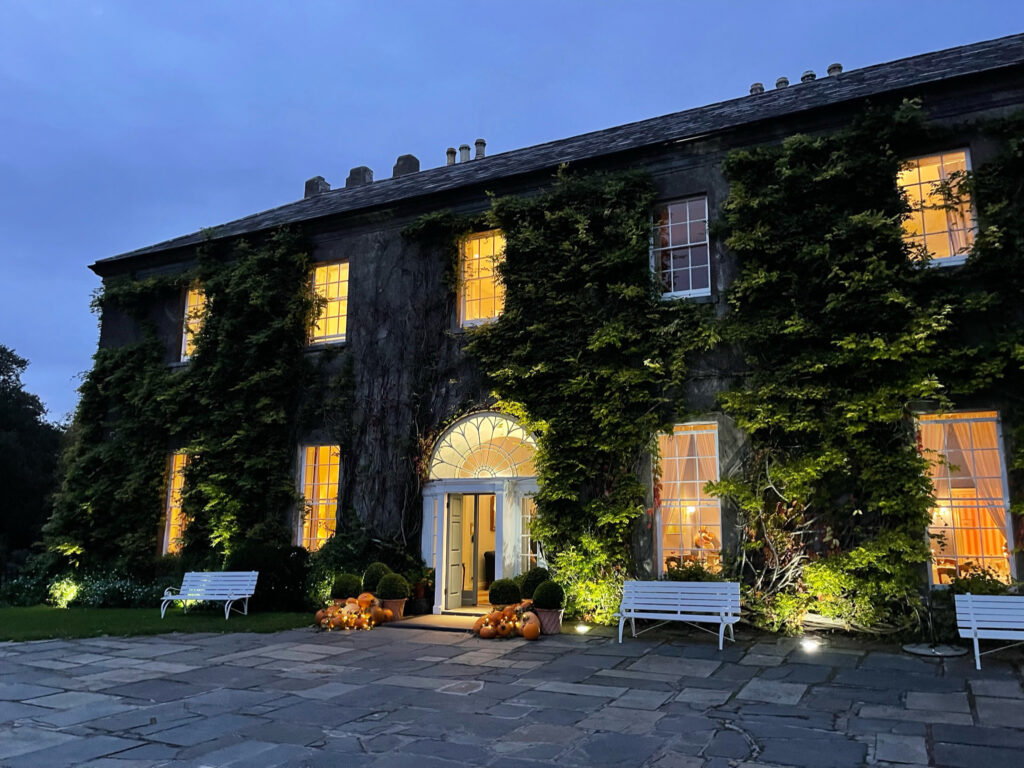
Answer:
[(472, 526)]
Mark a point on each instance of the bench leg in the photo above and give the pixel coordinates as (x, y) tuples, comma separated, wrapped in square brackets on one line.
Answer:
[(977, 655), (163, 607), (732, 634), (721, 635), (622, 621), (227, 608), (245, 607), (632, 623)]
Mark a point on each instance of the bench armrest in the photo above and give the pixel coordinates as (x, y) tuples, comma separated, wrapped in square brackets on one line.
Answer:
[(171, 592)]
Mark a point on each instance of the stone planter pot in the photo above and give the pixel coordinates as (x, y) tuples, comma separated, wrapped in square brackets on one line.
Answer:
[(397, 607), (550, 620)]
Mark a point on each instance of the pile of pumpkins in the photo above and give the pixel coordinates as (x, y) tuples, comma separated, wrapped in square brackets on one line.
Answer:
[(516, 620), (363, 612)]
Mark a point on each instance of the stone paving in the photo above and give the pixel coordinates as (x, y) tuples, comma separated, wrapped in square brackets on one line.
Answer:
[(400, 697)]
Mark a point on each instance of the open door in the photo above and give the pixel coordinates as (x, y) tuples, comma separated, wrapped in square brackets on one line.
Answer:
[(453, 561)]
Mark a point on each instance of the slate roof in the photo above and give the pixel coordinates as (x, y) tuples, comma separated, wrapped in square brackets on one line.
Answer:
[(799, 97)]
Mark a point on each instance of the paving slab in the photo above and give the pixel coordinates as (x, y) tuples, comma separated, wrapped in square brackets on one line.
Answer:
[(772, 691), (897, 748)]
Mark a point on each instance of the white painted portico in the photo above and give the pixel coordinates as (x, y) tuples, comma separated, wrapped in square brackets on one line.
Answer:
[(482, 453)]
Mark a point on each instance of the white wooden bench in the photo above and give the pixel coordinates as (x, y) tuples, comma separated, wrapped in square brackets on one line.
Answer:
[(213, 586), (707, 602), (990, 617)]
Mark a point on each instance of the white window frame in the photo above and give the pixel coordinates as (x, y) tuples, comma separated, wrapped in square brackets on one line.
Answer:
[(958, 260), (713, 427), (300, 523), (1001, 445), (171, 473), (527, 557), (655, 260)]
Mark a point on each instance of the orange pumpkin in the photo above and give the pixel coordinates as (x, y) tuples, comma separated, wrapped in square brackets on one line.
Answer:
[(509, 613), (526, 605), (388, 614), (336, 622), (504, 629), (365, 600), (377, 615), (351, 601), (478, 624), (488, 632), (320, 615), (531, 631), (495, 618), (359, 622)]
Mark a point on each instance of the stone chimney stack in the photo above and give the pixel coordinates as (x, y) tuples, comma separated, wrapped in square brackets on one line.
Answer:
[(835, 69), (480, 146), (464, 153), (807, 76), (450, 152), (756, 88), (316, 186), (782, 82), (405, 164), (359, 176)]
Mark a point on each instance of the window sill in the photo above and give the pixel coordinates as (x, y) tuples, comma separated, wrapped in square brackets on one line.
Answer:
[(697, 298), (320, 346), (948, 261), (180, 363)]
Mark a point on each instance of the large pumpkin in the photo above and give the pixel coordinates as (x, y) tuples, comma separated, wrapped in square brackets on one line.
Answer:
[(496, 617), (365, 600), (505, 629), (337, 622), (531, 631), (320, 615), (530, 618), (488, 632), (478, 624), (377, 615), (509, 613), (388, 614)]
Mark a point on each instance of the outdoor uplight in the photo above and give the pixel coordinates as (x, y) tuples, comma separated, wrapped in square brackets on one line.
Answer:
[(582, 629), (810, 644)]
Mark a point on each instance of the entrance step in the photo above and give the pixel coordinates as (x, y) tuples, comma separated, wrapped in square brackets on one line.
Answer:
[(446, 622)]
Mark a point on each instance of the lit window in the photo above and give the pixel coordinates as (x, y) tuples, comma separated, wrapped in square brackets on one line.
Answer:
[(175, 528), (969, 519), (679, 248), (945, 232), (529, 554), (689, 520), (195, 307), (330, 282), (483, 295), (320, 490)]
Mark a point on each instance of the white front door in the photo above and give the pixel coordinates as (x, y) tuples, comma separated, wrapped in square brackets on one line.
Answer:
[(453, 591)]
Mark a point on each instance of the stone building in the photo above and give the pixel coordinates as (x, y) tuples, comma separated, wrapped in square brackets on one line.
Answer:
[(399, 323)]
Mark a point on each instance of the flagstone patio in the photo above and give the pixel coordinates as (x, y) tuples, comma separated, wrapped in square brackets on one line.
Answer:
[(429, 699)]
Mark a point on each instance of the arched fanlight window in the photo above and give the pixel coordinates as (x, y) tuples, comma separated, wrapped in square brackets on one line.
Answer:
[(483, 445)]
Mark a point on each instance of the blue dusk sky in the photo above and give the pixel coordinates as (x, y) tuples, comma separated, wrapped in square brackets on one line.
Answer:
[(126, 123)]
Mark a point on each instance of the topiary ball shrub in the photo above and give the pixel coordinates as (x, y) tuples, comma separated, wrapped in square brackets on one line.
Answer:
[(504, 592), (392, 586), (549, 596), (533, 579), (373, 574), (346, 585)]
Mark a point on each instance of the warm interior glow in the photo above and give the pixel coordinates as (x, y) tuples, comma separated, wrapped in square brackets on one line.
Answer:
[(483, 445), (320, 490), (175, 517), (969, 519), (690, 519), (680, 247), (330, 282), (195, 307), (942, 231), (483, 295)]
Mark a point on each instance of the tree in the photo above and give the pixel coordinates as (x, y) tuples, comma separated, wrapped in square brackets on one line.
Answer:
[(28, 459)]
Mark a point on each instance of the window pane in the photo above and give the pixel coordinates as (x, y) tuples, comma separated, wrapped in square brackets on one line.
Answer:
[(330, 282), (948, 233), (482, 294), (320, 492), (689, 520), (672, 245)]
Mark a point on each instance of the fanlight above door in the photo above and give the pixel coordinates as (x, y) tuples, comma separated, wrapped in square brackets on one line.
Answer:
[(483, 445)]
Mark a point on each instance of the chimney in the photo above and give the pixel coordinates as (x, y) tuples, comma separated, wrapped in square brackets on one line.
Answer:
[(464, 153), (756, 88), (807, 76), (316, 186), (835, 69), (782, 82), (480, 145), (405, 164), (450, 152), (359, 176)]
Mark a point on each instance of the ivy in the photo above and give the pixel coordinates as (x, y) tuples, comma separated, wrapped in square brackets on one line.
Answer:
[(591, 355)]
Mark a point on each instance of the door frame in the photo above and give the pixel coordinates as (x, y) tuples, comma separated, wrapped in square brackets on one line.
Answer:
[(508, 493)]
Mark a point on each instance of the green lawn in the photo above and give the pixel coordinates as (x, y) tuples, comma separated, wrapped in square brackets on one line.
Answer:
[(42, 622)]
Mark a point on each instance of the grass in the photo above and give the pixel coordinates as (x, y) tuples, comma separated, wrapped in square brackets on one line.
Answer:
[(42, 622)]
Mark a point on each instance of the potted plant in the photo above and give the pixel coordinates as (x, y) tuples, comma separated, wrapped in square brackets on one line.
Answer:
[(372, 576), (346, 585), (549, 604), (504, 592), (533, 579), (393, 591)]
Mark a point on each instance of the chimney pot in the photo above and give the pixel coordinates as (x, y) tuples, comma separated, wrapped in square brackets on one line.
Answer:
[(807, 76), (480, 146), (316, 186), (450, 152), (782, 82), (756, 88), (464, 153), (405, 164), (359, 176), (835, 69)]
